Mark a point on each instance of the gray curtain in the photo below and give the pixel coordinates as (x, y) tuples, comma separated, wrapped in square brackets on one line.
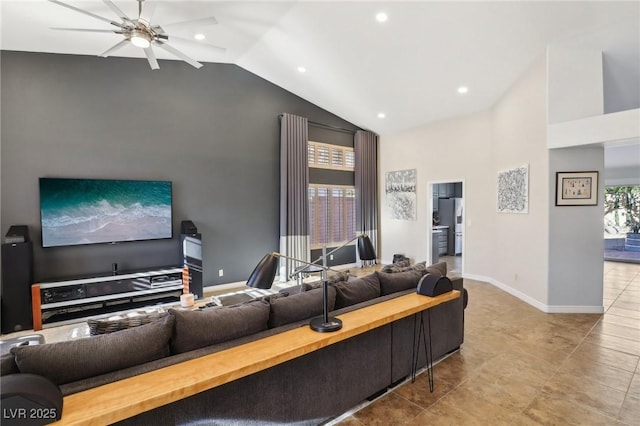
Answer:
[(366, 153), (294, 195)]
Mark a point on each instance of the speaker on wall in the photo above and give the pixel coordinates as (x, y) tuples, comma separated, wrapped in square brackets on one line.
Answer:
[(191, 245), (17, 277)]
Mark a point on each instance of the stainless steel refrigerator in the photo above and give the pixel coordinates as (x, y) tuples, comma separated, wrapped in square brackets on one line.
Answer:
[(450, 211)]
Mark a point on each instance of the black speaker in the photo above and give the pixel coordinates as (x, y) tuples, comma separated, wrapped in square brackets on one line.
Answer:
[(191, 245), (188, 227), (17, 234), (434, 285), (17, 277)]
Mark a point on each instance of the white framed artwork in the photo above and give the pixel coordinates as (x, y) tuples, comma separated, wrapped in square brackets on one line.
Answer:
[(400, 194), (513, 190)]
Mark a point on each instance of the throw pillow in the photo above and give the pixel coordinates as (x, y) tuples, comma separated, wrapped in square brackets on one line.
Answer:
[(421, 266), (355, 291), (390, 269), (197, 329), (73, 360), (300, 306), (438, 268), (399, 281), (404, 262), (103, 326)]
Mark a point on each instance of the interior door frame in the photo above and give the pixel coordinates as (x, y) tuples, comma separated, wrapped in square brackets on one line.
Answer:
[(430, 184)]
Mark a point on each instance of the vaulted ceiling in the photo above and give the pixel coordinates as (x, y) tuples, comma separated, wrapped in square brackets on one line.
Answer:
[(408, 68)]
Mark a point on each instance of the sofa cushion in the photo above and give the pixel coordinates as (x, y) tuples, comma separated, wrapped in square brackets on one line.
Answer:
[(66, 362), (331, 279), (200, 328), (399, 281), (300, 306), (103, 326), (438, 268), (358, 290), (8, 365)]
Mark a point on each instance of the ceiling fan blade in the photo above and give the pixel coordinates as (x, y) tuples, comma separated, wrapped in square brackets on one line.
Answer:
[(147, 9), (202, 22), (117, 10), (68, 6), (178, 53), (199, 43), (114, 48), (151, 57), (89, 30)]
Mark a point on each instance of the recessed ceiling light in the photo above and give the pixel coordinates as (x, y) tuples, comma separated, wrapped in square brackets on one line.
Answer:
[(381, 115), (199, 36), (302, 69), (381, 17), (463, 89)]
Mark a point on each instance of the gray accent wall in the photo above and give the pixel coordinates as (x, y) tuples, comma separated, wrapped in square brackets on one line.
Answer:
[(213, 132), (576, 236)]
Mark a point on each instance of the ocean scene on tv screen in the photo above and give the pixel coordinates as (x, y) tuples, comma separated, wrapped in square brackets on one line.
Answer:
[(90, 211)]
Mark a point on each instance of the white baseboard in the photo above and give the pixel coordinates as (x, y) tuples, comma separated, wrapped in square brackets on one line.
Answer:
[(550, 309), (575, 309)]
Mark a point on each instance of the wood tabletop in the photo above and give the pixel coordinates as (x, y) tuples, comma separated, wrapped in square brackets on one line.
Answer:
[(128, 397)]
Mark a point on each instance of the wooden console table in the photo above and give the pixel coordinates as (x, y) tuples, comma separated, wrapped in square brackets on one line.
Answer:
[(128, 397)]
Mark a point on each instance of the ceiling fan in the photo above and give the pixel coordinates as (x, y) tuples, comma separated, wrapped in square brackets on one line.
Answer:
[(141, 33)]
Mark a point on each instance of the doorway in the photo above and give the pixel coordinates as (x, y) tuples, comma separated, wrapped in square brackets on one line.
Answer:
[(446, 236)]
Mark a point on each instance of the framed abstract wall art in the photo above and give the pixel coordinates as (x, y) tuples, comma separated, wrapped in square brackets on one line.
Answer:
[(513, 190), (576, 188), (400, 191)]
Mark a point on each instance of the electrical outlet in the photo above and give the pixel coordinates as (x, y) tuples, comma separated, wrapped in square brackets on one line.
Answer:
[(516, 277), (220, 272), (330, 257)]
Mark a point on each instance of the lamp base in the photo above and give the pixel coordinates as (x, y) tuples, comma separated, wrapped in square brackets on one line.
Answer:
[(319, 325)]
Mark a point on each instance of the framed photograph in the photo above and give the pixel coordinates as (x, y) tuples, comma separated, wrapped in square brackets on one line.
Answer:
[(576, 188)]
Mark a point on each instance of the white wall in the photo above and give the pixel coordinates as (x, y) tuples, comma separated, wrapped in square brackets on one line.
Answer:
[(519, 137), (497, 246), (445, 151), (575, 83), (550, 257), (623, 176)]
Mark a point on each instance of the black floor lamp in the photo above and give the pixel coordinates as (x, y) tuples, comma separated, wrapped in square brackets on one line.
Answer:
[(265, 272)]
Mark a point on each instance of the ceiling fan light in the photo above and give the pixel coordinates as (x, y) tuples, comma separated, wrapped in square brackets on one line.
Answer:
[(140, 39)]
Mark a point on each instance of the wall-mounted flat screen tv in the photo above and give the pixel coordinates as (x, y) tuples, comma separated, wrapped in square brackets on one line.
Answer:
[(92, 211)]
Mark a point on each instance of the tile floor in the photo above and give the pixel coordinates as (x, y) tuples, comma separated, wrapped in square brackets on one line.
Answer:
[(519, 366), (454, 264)]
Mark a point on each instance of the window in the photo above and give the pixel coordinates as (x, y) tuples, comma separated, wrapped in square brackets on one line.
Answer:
[(325, 156), (332, 214)]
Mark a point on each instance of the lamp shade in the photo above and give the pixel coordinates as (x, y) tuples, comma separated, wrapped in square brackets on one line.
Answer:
[(264, 272), (365, 248)]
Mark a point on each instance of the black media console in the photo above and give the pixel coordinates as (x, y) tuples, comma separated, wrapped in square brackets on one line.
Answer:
[(66, 300)]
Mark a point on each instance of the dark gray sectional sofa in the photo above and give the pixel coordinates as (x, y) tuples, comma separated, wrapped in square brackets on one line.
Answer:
[(306, 390)]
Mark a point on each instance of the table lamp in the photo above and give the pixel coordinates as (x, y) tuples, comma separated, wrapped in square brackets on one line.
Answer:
[(265, 272)]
